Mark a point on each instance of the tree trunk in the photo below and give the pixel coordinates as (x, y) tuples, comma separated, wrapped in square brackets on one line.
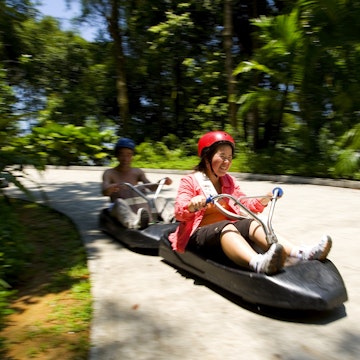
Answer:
[(228, 43), (121, 84)]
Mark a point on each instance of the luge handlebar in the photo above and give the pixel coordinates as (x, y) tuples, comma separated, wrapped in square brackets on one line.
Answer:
[(270, 234)]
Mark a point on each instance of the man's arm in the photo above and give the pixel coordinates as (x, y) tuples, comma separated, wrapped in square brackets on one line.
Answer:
[(145, 180), (108, 186)]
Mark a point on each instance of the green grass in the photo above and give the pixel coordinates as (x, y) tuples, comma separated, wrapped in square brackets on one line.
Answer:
[(42, 258)]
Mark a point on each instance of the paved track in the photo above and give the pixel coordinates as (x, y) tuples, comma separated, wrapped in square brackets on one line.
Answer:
[(146, 310)]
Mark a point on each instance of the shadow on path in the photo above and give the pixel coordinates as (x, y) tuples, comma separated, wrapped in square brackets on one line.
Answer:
[(286, 315)]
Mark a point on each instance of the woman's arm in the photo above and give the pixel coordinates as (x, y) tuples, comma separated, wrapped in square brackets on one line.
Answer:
[(186, 192)]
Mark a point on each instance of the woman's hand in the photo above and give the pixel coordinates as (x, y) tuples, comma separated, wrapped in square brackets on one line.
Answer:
[(197, 203), (265, 200)]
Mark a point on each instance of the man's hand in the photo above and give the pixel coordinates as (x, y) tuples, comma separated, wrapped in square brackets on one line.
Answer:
[(168, 181), (113, 188)]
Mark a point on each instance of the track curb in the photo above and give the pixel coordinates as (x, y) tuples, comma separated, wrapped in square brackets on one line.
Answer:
[(289, 179)]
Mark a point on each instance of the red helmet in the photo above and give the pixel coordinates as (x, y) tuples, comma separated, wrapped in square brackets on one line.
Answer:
[(213, 137)]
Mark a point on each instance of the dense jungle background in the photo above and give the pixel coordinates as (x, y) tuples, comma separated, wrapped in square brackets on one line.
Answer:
[(280, 76)]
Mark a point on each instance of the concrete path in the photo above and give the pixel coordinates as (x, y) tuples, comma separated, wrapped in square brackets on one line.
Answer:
[(146, 310)]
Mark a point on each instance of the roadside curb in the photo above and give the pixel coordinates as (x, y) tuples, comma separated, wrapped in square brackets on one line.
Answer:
[(289, 179), (352, 184)]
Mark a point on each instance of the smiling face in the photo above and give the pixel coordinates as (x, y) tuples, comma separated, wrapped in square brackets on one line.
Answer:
[(221, 160)]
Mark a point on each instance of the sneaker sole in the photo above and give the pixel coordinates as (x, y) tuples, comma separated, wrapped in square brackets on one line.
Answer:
[(144, 219), (278, 260), (326, 251)]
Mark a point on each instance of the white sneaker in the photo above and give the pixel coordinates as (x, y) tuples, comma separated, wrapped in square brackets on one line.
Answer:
[(166, 210), (142, 219), (316, 252), (271, 262)]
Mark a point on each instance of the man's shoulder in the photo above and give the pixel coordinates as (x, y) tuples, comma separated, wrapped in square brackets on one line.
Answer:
[(137, 170), (109, 171)]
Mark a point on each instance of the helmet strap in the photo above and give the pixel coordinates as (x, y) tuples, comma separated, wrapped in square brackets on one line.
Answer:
[(212, 170), (211, 167)]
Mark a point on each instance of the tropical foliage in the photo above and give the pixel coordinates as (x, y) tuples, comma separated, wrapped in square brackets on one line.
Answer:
[(279, 75)]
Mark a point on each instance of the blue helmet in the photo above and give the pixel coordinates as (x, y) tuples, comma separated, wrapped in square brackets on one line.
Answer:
[(124, 143)]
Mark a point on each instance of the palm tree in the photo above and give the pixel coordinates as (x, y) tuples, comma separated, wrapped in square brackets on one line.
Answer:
[(304, 75), (274, 63)]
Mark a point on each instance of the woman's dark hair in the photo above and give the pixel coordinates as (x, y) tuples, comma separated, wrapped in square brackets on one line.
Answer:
[(208, 153)]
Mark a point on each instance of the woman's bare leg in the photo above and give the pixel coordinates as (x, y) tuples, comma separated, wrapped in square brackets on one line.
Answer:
[(235, 246), (240, 252), (318, 251), (257, 234)]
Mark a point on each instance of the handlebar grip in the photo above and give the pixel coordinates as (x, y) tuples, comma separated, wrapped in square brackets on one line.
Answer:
[(209, 199), (278, 192)]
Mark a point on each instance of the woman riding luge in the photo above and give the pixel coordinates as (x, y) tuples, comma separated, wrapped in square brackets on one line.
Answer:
[(206, 230)]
